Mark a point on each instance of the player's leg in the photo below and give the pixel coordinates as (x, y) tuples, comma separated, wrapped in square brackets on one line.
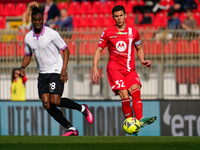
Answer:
[(136, 100), (116, 81), (56, 90), (132, 81), (126, 108), (43, 90)]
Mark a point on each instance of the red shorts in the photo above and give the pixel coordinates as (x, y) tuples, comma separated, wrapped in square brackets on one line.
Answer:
[(120, 80)]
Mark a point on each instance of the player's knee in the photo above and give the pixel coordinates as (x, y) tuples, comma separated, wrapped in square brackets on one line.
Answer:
[(55, 100), (46, 104)]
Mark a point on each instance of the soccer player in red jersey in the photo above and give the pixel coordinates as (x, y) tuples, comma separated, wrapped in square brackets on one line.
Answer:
[(124, 81)]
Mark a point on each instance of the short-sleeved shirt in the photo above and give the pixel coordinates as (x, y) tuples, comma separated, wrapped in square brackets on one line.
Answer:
[(46, 49), (121, 45), (190, 23)]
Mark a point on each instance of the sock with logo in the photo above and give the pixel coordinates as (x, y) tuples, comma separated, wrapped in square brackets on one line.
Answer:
[(126, 108), (137, 103)]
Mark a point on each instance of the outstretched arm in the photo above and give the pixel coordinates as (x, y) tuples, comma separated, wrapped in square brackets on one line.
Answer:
[(96, 58), (140, 52)]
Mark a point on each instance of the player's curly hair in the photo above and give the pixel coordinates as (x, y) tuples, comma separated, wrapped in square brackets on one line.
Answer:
[(118, 8), (35, 11)]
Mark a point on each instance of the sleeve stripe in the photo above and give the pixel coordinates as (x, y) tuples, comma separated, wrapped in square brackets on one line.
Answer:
[(28, 54), (63, 47)]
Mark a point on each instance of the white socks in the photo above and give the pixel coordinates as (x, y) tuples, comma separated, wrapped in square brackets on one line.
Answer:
[(72, 128), (83, 108)]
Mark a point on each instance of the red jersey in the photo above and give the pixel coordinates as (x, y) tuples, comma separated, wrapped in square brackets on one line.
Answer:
[(121, 45)]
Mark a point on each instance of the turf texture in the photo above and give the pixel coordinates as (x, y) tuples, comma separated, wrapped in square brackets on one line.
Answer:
[(98, 143)]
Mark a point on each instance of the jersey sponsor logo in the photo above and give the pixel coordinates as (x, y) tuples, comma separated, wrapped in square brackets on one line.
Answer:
[(121, 46), (121, 33), (102, 35)]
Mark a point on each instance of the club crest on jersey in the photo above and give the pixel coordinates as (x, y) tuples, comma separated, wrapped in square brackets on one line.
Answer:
[(121, 46)]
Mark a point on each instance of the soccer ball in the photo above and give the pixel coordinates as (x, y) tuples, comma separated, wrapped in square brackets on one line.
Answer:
[(131, 125)]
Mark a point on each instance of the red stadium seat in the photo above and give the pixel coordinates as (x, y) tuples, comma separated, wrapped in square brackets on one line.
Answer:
[(182, 47), (62, 5), (183, 16), (130, 20), (194, 47), (20, 9), (1, 9), (130, 5), (169, 47), (109, 21), (9, 9), (74, 8), (2, 22), (72, 47), (197, 16), (77, 21), (86, 7), (99, 21), (20, 49), (121, 2), (87, 21), (3, 49), (152, 47), (189, 75), (97, 7), (141, 2), (7, 49), (108, 6), (160, 20)]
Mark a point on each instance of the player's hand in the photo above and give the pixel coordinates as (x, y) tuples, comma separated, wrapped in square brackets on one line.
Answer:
[(64, 76), (146, 63), (95, 75), (22, 72)]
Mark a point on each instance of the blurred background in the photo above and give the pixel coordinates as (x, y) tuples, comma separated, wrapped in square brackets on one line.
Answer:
[(169, 32)]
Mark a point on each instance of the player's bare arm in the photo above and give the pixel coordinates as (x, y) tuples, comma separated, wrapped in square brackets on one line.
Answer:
[(96, 58), (140, 53), (25, 62), (64, 75)]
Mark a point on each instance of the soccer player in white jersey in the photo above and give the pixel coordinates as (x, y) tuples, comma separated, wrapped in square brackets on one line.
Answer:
[(124, 81), (46, 43)]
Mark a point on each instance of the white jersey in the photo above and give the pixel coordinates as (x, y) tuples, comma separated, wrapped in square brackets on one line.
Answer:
[(46, 48)]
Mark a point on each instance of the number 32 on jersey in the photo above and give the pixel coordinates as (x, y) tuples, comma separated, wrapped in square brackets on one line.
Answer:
[(119, 83)]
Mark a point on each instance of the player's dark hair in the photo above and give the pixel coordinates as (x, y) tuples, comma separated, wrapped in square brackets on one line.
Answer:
[(35, 11), (118, 8)]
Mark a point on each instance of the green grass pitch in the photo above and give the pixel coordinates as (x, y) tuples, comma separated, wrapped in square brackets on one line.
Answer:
[(98, 143)]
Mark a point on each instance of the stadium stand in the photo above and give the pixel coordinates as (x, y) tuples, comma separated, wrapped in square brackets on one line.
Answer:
[(85, 7), (62, 5), (20, 9), (74, 8), (97, 7), (91, 18), (9, 9), (2, 22)]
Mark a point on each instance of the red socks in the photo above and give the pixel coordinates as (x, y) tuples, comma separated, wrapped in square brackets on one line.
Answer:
[(126, 108), (137, 103)]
